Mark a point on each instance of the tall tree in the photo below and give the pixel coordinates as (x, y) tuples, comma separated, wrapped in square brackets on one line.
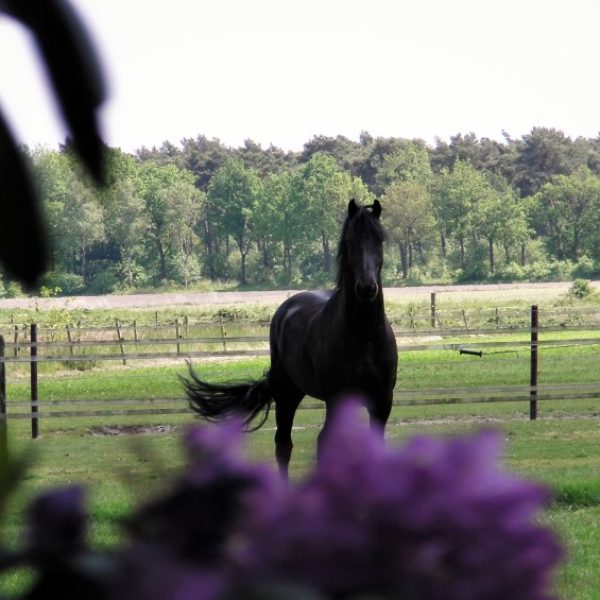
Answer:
[(499, 217), (347, 153), (408, 216), (542, 154), (162, 188), (409, 163), (455, 196), (323, 190), (263, 161), (565, 210), (184, 204), (233, 191), (375, 151), (204, 157), (127, 224), (74, 213)]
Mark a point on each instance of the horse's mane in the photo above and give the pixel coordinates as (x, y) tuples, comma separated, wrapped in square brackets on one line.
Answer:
[(362, 224)]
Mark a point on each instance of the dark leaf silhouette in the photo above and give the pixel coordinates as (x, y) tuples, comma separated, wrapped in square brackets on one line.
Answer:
[(74, 73), (20, 212)]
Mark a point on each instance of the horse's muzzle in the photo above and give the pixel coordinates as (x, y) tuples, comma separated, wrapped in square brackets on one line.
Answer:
[(366, 292)]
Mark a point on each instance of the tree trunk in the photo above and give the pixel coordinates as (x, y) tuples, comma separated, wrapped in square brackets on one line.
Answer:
[(462, 251), (208, 247), (491, 255), (162, 263), (243, 280), (576, 243), (83, 265), (326, 254), (403, 247), (443, 245), (243, 248)]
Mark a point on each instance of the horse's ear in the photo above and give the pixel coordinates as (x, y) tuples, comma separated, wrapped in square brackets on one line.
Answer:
[(376, 209), (352, 208)]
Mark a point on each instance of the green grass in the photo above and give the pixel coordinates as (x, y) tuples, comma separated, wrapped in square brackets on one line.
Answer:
[(121, 471), (561, 449)]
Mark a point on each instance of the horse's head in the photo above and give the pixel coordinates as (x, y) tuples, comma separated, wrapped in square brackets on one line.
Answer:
[(360, 253)]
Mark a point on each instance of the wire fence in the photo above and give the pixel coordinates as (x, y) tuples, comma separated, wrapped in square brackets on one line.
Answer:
[(50, 370)]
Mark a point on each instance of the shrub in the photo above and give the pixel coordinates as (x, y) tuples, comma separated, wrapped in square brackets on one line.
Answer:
[(69, 284), (105, 282), (585, 268), (512, 271), (581, 289)]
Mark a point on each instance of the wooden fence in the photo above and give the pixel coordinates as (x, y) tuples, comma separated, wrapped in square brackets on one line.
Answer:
[(33, 349)]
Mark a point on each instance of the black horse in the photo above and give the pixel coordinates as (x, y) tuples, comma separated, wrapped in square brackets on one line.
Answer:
[(327, 344)]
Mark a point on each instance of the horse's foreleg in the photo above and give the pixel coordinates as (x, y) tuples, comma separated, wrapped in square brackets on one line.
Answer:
[(285, 409), (331, 406), (379, 411)]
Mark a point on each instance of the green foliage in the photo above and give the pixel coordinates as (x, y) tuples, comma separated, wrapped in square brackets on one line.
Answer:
[(67, 284), (581, 289), (472, 209), (104, 282)]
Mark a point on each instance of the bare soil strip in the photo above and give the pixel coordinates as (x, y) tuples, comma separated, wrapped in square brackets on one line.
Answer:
[(155, 301)]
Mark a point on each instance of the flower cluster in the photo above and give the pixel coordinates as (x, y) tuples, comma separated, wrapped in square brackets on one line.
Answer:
[(434, 519)]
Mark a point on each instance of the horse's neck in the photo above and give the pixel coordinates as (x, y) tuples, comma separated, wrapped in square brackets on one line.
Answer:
[(360, 315)]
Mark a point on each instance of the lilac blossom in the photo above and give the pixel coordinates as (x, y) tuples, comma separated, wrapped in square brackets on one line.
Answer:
[(58, 522), (435, 518)]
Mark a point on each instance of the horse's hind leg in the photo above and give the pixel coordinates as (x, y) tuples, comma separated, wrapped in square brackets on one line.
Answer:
[(287, 399)]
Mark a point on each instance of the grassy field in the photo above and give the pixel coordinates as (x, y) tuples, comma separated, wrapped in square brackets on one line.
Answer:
[(562, 449), (121, 469)]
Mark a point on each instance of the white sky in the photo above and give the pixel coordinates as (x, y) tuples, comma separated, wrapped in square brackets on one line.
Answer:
[(282, 71)]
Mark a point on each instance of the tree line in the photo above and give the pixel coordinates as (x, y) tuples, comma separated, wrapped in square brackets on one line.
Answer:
[(468, 209)]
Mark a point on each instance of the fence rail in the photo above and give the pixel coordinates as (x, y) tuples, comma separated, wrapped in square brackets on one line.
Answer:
[(36, 348)]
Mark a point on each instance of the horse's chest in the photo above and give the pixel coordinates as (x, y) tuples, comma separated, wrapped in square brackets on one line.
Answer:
[(357, 363)]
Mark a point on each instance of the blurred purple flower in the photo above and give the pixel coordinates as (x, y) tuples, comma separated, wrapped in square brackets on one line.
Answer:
[(57, 523), (151, 574), (435, 519), (197, 518)]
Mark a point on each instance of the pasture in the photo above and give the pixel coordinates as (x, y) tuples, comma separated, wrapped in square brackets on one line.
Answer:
[(126, 458)]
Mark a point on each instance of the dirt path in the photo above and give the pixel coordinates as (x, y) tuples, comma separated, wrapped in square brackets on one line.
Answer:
[(501, 290)]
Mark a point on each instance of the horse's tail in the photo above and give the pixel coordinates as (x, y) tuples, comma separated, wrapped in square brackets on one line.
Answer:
[(216, 401)]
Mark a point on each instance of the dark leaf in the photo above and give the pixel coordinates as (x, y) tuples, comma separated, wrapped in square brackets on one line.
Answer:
[(22, 249), (74, 71)]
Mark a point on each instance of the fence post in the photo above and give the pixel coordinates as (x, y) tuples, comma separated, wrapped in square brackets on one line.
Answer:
[(177, 336), (120, 338), (433, 310), (35, 428), (3, 416), (16, 348), (69, 337), (223, 335), (464, 316), (533, 379)]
